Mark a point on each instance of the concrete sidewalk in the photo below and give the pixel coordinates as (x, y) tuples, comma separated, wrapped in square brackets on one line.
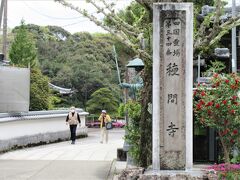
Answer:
[(86, 160), (54, 170)]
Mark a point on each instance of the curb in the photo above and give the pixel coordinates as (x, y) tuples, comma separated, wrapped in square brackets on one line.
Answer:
[(119, 166), (111, 171)]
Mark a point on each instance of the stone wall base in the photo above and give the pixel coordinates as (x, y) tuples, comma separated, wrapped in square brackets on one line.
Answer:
[(39, 139), (172, 177), (140, 174)]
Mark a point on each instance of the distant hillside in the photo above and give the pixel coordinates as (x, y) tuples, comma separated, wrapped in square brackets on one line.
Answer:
[(81, 61)]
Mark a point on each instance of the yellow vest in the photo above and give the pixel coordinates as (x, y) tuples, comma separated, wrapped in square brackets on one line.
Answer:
[(72, 119), (106, 119)]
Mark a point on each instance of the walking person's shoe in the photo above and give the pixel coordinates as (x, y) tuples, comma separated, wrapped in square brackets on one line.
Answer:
[(73, 142)]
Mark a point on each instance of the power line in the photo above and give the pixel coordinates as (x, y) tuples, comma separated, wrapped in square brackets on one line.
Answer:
[(59, 18), (74, 23), (51, 17)]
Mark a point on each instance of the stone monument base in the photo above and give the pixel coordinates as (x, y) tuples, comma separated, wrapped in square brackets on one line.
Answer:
[(174, 175), (138, 173)]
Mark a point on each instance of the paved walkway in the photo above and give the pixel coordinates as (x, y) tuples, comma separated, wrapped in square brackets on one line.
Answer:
[(86, 160)]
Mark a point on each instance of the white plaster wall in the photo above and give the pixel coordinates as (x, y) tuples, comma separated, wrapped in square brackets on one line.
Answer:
[(47, 129)]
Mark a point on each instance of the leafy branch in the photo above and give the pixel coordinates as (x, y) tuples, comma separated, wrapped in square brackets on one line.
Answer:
[(119, 31), (208, 36)]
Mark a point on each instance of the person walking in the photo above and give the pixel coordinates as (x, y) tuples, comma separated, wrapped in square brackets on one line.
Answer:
[(73, 119), (104, 118)]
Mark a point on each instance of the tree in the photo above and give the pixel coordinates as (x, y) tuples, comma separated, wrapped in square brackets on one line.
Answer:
[(218, 108), (23, 53), (132, 33), (23, 49), (103, 98), (39, 91), (133, 135), (83, 62)]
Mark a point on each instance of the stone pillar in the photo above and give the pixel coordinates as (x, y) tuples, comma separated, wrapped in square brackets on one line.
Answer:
[(172, 86), (83, 121)]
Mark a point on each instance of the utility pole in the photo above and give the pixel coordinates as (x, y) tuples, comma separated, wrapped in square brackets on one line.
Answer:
[(234, 44), (5, 30), (1, 12)]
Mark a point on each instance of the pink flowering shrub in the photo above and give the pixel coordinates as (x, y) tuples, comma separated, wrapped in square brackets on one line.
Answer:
[(218, 107), (225, 171), (225, 167)]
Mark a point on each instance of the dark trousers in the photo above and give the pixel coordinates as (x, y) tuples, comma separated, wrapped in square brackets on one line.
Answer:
[(73, 129)]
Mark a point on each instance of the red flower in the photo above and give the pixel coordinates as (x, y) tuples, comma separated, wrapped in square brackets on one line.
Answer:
[(236, 103), (226, 81), (236, 81), (234, 97), (225, 122), (209, 112), (233, 87), (215, 75), (217, 84), (217, 105), (224, 102), (232, 111), (209, 103), (203, 93), (199, 106), (224, 132), (201, 102), (235, 131), (194, 93), (232, 141)]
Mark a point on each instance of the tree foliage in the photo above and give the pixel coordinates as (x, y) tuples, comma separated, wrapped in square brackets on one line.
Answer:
[(101, 99), (39, 91), (133, 128), (23, 49), (23, 53), (81, 61)]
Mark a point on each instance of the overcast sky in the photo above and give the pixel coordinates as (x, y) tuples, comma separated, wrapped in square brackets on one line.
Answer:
[(48, 12)]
